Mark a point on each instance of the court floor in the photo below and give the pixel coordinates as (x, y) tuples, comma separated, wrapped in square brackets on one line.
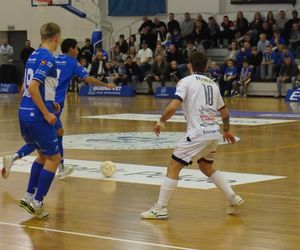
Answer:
[(91, 212)]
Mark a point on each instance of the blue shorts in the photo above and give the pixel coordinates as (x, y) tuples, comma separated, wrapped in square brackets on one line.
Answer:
[(58, 123), (41, 135)]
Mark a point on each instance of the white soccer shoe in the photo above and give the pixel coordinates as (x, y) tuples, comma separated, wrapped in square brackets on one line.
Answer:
[(67, 170), (155, 213), (234, 204), (7, 164), (37, 211)]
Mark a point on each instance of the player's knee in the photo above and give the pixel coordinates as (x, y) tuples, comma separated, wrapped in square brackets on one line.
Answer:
[(205, 166), (60, 132), (55, 159)]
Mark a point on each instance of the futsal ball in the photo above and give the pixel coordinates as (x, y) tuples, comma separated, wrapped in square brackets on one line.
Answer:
[(108, 168)]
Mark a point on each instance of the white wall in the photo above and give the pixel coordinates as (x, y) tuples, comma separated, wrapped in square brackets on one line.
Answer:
[(24, 17)]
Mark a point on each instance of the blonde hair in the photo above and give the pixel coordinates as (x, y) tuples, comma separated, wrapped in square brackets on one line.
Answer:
[(49, 30)]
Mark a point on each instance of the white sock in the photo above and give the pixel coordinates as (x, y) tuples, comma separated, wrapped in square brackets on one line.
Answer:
[(218, 179), (29, 196), (61, 167), (15, 157), (37, 203), (166, 190)]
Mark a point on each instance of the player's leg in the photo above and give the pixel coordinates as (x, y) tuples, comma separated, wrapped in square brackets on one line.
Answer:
[(9, 160)]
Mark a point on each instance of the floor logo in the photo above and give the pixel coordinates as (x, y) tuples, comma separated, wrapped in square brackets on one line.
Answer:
[(180, 118), (152, 175), (125, 141)]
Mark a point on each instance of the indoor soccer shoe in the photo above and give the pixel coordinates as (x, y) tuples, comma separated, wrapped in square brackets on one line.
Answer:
[(37, 211), (24, 203), (155, 213), (67, 170), (7, 164), (234, 204)]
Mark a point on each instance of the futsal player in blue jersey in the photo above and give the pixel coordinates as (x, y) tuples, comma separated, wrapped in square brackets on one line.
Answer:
[(67, 68), (37, 119)]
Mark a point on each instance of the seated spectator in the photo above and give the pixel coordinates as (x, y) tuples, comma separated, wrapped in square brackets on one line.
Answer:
[(287, 74), (173, 72), (256, 25), (190, 47), (226, 32), (241, 87), (117, 53), (122, 43), (187, 26), (241, 24), (158, 73), (133, 74), (174, 55), (267, 30), (267, 65), (283, 51), (111, 71), (262, 43), (132, 43), (176, 39), (98, 66), (275, 28), (146, 24), (213, 31), (26, 52), (173, 24), (87, 50), (162, 34), (159, 50), (255, 61), (228, 79), (200, 36), (281, 20), (104, 53), (270, 18), (150, 37), (290, 22), (232, 51), (168, 42), (295, 39), (244, 53), (144, 57), (204, 23), (132, 53), (296, 85), (246, 38), (158, 24), (85, 64), (215, 72), (277, 40)]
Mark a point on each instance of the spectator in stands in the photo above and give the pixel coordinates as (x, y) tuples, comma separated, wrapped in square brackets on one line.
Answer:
[(200, 36), (132, 53), (144, 57), (215, 72), (162, 34), (122, 43), (26, 52), (190, 47), (267, 65), (283, 52), (111, 72), (104, 53), (117, 53), (232, 51), (244, 53), (87, 50), (226, 31), (168, 42), (241, 24), (174, 55), (98, 67), (241, 86), (150, 37), (255, 61), (146, 24), (177, 39), (157, 24), (287, 74), (187, 26), (262, 43), (132, 42), (256, 25), (295, 39), (281, 20), (277, 40), (204, 23), (213, 31), (158, 73), (174, 74), (296, 85), (6, 49), (270, 18), (290, 22), (133, 73), (159, 50), (267, 30), (173, 24), (228, 79), (246, 38), (84, 63)]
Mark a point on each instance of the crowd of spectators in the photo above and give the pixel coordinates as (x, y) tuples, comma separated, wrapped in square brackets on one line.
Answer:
[(262, 49)]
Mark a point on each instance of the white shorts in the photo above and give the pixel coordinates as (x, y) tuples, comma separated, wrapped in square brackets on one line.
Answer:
[(200, 149)]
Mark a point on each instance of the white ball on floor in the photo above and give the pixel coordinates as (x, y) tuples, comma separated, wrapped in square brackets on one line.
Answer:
[(108, 168)]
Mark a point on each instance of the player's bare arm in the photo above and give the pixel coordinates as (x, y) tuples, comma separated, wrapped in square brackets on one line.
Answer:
[(93, 81), (36, 97), (226, 126), (168, 113)]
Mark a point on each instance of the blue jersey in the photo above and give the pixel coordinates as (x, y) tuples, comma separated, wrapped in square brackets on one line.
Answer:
[(67, 68), (42, 68), (229, 72)]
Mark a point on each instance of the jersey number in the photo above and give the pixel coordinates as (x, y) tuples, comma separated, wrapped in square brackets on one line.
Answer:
[(209, 97), (27, 81)]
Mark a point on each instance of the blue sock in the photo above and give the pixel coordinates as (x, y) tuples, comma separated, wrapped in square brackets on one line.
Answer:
[(61, 149), (27, 149), (45, 180), (36, 169)]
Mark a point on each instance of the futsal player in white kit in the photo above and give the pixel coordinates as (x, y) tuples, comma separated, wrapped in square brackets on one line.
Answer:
[(201, 101)]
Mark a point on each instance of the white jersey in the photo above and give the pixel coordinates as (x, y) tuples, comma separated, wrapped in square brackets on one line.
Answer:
[(201, 100)]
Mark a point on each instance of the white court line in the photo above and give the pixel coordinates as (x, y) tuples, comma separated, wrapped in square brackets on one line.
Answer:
[(94, 236)]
